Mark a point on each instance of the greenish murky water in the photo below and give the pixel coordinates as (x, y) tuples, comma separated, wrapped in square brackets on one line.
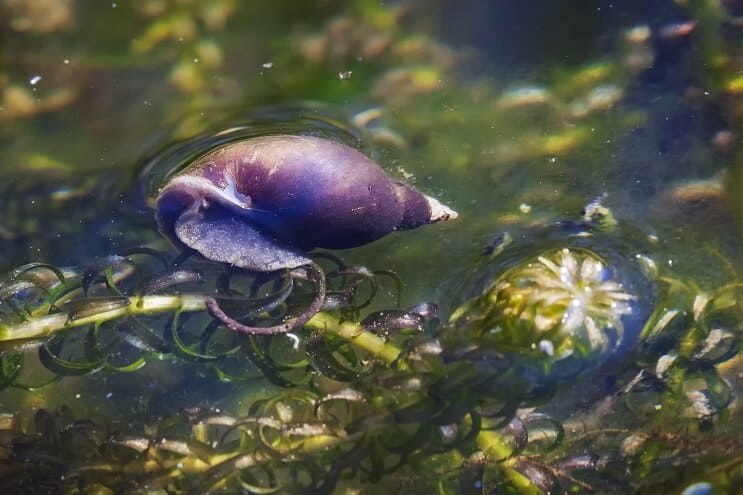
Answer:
[(588, 332)]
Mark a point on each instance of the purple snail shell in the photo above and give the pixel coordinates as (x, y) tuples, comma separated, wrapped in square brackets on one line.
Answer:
[(261, 203)]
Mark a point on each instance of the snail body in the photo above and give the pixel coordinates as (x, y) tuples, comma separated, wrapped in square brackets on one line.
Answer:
[(261, 203)]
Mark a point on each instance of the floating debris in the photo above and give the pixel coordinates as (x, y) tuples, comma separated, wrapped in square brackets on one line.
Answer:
[(523, 97), (638, 34), (40, 16), (345, 38), (601, 98), (677, 30)]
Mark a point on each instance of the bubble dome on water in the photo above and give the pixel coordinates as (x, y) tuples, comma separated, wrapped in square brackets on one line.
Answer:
[(559, 293)]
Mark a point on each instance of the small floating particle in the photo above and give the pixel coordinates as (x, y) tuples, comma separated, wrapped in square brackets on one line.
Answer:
[(366, 117), (523, 96), (723, 140), (604, 96), (448, 431), (547, 347), (345, 75), (638, 34), (632, 445), (677, 30), (295, 340), (267, 65), (405, 174)]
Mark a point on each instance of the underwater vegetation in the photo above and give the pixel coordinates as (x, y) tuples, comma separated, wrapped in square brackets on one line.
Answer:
[(171, 324), (397, 397)]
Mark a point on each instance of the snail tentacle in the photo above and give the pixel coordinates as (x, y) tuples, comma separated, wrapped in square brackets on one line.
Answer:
[(314, 272)]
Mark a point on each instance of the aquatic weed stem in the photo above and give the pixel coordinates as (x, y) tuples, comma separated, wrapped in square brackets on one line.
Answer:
[(495, 447), (44, 326), (355, 334)]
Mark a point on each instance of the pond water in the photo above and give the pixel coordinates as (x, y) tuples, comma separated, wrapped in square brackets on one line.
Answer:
[(587, 331)]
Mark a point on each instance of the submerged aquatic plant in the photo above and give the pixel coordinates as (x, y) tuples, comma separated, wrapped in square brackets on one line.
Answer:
[(374, 403), (368, 407), (566, 297), (379, 401), (564, 301)]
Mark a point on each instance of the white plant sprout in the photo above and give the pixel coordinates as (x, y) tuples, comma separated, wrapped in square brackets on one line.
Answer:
[(574, 292)]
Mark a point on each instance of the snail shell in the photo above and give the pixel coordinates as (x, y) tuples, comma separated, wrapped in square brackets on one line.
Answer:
[(261, 203)]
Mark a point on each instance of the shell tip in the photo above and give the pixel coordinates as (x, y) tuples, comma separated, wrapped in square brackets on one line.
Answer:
[(439, 211)]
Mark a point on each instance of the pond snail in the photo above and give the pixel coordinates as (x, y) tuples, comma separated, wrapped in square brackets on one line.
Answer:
[(261, 203)]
